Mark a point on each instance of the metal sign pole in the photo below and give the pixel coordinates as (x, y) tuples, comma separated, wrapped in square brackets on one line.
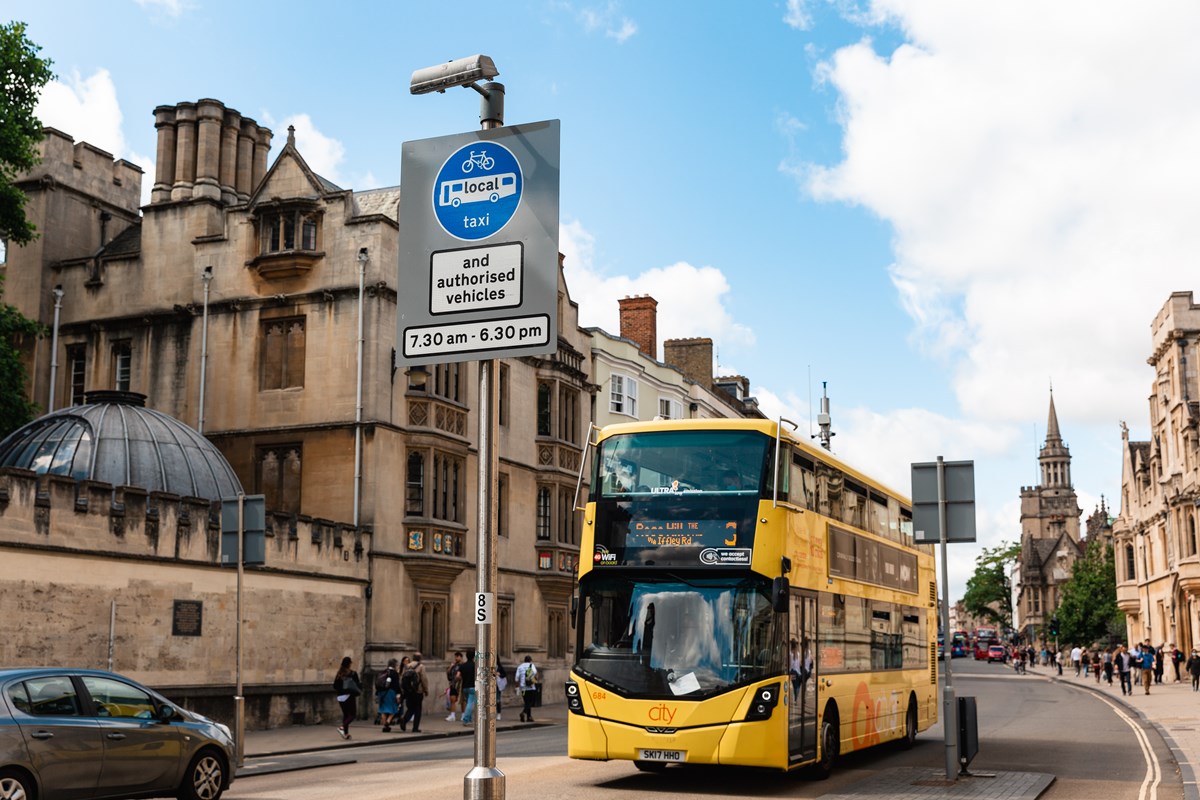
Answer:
[(949, 705), (485, 781)]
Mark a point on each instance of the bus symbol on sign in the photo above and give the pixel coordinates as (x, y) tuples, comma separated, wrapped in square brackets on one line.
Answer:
[(477, 191)]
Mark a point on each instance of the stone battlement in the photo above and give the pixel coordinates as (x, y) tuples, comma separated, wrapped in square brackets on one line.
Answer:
[(129, 522)]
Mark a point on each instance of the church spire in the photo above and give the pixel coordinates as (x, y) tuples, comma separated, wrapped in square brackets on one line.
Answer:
[(1055, 457), (1052, 434)]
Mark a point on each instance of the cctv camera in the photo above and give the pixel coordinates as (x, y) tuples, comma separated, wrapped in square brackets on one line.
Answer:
[(462, 72)]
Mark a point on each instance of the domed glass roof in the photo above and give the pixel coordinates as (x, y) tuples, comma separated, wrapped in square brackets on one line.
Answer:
[(113, 438)]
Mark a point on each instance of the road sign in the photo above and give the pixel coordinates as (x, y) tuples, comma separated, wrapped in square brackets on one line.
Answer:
[(478, 263), (959, 495)]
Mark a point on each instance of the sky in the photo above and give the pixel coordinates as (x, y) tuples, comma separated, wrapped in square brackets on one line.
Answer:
[(939, 210)]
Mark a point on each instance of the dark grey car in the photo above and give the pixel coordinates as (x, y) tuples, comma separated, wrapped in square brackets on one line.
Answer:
[(81, 733)]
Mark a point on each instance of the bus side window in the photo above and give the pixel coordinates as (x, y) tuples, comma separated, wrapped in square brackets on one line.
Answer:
[(803, 488)]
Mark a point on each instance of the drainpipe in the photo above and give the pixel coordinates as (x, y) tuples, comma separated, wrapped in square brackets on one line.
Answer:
[(58, 296), (206, 277), (358, 400)]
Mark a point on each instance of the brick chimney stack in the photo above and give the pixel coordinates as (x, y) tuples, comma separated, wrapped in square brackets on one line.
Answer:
[(693, 357), (639, 323)]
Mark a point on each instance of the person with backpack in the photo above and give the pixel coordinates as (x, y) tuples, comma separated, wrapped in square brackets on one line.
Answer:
[(388, 683), (527, 682), (414, 686)]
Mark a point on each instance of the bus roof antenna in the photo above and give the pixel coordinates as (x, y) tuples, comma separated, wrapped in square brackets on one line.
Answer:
[(824, 422)]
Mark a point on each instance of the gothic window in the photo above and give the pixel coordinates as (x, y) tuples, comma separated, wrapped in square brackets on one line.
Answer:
[(433, 625), (502, 505), (288, 229), (122, 365), (414, 486), (556, 646), (447, 487), (277, 475), (1191, 535), (502, 395), (566, 520), (543, 513), (448, 380), (543, 409), (1130, 568), (568, 413), (281, 352)]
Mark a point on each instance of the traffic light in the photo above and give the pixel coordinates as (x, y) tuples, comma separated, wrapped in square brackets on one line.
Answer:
[(1054, 626)]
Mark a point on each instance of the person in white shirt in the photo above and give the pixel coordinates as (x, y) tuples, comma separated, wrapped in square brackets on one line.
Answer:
[(1077, 659)]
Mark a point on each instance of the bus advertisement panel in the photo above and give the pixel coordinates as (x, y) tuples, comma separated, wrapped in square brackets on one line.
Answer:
[(745, 598)]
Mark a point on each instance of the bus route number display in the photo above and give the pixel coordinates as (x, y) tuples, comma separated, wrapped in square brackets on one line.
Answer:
[(679, 541)]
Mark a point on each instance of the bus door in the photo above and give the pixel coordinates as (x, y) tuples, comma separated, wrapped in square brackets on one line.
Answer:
[(802, 665)]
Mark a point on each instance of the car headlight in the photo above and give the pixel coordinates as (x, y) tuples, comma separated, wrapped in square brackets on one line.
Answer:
[(224, 729)]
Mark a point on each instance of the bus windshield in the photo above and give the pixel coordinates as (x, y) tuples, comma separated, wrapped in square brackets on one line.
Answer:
[(670, 636), (674, 462)]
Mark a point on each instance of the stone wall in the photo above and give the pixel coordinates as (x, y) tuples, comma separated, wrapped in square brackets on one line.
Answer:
[(102, 577)]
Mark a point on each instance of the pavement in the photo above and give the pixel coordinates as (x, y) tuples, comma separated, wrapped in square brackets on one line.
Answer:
[(1171, 708)]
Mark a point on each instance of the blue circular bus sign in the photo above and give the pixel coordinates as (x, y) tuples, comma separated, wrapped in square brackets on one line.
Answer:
[(477, 191)]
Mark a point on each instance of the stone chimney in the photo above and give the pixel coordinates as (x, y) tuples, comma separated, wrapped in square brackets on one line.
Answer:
[(639, 323), (208, 151), (694, 357)]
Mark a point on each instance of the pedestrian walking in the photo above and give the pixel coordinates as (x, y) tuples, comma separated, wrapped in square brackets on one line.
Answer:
[(527, 682), (1123, 660), (1077, 659), (348, 687), (1096, 661), (1176, 660), (389, 684), (1148, 656), (1108, 666), (466, 691), (454, 678), (1193, 668), (415, 686)]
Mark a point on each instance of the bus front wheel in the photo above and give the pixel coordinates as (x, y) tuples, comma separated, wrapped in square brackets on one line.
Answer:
[(830, 744)]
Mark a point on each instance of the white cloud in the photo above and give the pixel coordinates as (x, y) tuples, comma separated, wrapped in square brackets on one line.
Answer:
[(1040, 180), (168, 9), (608, 19), (323, 154), (797, 15), (87, 110), (690, 298)]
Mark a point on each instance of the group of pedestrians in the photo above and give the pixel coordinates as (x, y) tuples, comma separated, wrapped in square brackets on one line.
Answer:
[(402, 686), (401, 689), (1137, 664)]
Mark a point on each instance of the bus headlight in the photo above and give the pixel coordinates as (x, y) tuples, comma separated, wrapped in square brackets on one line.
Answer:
[(764, 702), (574, 701)]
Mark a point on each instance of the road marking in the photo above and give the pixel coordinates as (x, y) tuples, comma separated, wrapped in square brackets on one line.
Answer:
[(1152, 768)]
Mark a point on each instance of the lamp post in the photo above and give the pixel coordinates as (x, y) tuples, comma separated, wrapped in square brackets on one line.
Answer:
[(484, 781), (206, 277)]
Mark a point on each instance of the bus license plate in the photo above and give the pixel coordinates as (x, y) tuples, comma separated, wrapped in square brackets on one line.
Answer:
[(679, 756)]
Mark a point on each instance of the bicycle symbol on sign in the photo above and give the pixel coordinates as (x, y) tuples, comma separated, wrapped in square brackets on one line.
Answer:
[(480, 159)]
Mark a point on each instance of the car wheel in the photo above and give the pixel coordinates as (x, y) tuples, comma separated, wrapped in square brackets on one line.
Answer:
[(205, 777), (650, 766), (910, 726), (16, 785)]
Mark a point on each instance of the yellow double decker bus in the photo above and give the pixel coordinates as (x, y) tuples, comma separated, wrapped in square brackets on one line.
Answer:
[(745, 598)]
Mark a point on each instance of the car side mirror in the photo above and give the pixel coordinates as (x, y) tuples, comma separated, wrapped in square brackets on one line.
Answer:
[(167, 713)]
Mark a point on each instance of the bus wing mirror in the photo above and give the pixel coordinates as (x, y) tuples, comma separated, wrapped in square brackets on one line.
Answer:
[(574, 609), (780, 591)]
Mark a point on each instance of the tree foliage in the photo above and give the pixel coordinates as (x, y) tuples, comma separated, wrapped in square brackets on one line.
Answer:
[(1087, 611), (23, 75), (15, 409), (989, 590)]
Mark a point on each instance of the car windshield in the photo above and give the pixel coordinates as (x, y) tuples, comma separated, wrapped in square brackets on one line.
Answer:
[(675, 637)]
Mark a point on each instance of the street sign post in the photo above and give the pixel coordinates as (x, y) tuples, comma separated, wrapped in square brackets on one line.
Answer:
[(478, 271)]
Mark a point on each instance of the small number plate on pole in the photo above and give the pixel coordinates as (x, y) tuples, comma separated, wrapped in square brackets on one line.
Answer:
[(484, 605)]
